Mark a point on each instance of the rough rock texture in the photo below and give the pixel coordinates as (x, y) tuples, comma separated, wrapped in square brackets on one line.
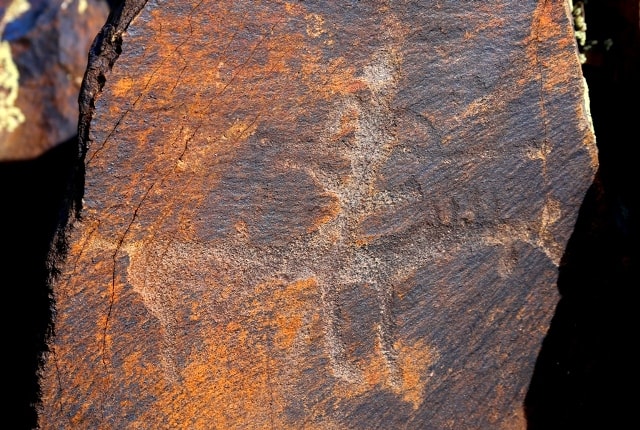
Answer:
[(43, 57), (303, 215)]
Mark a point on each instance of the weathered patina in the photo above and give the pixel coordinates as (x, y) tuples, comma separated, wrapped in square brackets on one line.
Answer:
[(318, 215)]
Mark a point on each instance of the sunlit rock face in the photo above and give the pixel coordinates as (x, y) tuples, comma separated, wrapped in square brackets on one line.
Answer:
[(304, 215)]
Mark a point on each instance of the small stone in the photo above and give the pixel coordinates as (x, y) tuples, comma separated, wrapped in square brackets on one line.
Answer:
[(43, 56)]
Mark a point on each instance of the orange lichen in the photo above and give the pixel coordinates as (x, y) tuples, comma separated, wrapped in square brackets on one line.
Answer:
[(236, 367), (291, 306), (330, 80), (549, 24), (288, 328), (414, 361), (122, 87)]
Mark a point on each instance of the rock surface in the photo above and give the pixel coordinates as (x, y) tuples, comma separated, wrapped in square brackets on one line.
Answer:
[(43, 57), (299, 215)]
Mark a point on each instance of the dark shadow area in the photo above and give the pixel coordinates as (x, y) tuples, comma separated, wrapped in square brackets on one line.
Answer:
[(113, 4), (33, 195), (586, 370)]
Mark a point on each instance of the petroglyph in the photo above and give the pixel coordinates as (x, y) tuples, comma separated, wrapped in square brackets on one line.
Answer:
[(349, 249), (365, 123), (308, 214), (335, 254)]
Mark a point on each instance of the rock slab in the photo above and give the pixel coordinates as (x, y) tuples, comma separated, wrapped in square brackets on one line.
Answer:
[(311, 215)]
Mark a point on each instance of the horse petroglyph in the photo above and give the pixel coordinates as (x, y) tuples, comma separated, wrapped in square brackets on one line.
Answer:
[(332, 212), (335, 254)]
